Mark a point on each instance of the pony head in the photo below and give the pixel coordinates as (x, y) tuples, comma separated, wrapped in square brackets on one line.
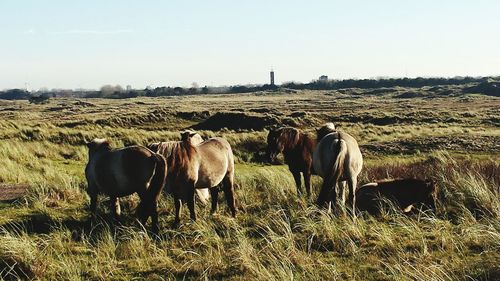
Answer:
[(281, 139), (187, 136), (430, 194), (325, 130), (97, 144)]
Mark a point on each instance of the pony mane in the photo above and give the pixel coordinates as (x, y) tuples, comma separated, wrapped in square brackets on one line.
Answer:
[(166, 148), (289, 137), (179, 155)]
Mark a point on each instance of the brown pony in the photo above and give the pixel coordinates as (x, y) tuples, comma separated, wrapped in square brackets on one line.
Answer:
[(297, 148), (403, 192), (166, 148), (201, 166), (337, 159), (122, 172)]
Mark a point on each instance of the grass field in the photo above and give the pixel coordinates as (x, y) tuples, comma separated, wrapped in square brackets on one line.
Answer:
[(453, 139)]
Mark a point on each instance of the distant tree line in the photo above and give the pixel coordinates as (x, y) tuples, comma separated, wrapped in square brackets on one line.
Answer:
[(118, 92), (361, 83), (15, 94), (253, 88), (381, 83)]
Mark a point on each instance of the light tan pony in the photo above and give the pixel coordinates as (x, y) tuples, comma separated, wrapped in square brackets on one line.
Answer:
[(200, 166), (337, 159), (122, 172), (165, 148)]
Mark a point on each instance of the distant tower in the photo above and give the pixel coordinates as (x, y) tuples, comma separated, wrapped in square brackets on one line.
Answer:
[(272, 77)]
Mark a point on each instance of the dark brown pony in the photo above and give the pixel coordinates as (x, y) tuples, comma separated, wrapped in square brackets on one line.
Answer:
[(297, 148), (122, 172), (403, 192)]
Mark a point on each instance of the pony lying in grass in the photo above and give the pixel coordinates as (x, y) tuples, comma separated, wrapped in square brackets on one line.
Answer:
[(336, 159), (201, 166), (122, 172), (297, 148), (405, 193)]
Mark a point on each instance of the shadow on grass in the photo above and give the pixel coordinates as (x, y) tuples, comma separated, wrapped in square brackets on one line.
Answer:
[(43, 223)]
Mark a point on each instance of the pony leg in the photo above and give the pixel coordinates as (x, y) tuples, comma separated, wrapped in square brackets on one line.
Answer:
[(342, 191), (333, 194), (325, 195), (229, 193), (154, 218), (298, 182), (214, 193), (190, 202), (178, 207), (92, 192), (115, 207), (307, 182), (142, 209), (331, 199), (352, 182)]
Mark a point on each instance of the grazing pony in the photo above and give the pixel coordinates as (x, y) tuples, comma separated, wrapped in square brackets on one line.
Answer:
[(122, 172), (297, 148), (403, 192), (201, 166), (336, 159)]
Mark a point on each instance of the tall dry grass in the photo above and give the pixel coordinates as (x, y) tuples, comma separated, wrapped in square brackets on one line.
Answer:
[(276, 236)]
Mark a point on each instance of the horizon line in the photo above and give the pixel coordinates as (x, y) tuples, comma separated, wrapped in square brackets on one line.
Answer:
[(257, 84)]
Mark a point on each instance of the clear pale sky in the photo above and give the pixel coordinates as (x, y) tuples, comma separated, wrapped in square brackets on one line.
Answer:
[(72, 44)]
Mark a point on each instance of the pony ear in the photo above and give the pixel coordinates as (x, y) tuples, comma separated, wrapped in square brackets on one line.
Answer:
[(185, 135)]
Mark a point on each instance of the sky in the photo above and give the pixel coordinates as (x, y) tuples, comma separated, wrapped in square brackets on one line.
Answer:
[(87, 44)]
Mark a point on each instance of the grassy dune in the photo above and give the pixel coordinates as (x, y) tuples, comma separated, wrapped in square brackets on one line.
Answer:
[(276, 235)]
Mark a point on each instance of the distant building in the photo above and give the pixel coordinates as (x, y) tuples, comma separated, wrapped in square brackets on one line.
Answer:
[(323, 78), (129, 88), (272, 77)]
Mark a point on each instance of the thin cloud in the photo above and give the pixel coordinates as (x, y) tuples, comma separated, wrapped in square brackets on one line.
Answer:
[(30, 31), (96, 31)]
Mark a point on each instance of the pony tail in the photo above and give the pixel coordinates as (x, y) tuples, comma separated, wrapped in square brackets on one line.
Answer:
[(337, 170), (338, 166), (159, 177)]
